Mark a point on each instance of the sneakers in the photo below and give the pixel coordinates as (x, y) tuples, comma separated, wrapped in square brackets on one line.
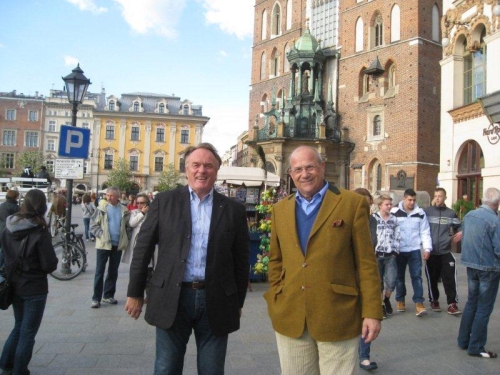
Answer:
[(420, 309), (453, 309), (435, 306), (110, 300), (95, 304), (401, 306), (388, 306), (384, 313)]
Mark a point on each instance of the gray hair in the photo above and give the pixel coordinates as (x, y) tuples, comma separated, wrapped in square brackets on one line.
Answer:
[(315, 152), (491, 196), (113, 189)]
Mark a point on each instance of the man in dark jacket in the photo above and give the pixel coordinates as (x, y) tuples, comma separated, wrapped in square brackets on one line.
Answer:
[(445, 227), (44, 174)]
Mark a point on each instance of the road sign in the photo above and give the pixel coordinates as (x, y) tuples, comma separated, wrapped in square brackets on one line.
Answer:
[(74, 142), (69, 169)]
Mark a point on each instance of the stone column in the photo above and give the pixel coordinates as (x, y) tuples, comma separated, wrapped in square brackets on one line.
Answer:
[(123, 135), (147, 150), (171, 148)]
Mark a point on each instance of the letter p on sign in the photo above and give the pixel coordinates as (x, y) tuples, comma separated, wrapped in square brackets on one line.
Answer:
[(74, 142)]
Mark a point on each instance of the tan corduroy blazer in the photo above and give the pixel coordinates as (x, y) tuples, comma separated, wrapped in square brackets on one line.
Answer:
[(336, 284)]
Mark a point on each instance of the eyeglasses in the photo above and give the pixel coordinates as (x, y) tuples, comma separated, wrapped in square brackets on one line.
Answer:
[(141, 202), (299, 170)]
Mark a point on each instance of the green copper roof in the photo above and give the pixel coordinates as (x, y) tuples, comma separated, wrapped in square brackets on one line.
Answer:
[(307, 42)]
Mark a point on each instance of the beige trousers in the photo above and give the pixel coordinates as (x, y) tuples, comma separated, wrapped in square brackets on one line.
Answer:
[(306, 356)]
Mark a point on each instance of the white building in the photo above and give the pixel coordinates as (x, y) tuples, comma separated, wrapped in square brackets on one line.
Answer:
[(470, 74)]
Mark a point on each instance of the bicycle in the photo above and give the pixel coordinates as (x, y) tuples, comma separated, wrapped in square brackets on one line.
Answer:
[(56, 223), (72, 255)]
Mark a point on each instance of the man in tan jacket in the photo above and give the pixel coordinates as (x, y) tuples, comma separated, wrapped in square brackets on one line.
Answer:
[(324, 282)]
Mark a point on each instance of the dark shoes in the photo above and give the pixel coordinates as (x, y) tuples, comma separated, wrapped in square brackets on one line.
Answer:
[(453, 309), (388, 306), (384, 312), (95, 304), (484, 354), (110, 300), (371, 366), (435, 306)]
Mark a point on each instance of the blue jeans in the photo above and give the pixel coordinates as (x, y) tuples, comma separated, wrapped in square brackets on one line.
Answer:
[(86, 223), (483, 288), (109, 286), (171, 343), (414, 261), (388, 271), (18, 349), (363, 350)]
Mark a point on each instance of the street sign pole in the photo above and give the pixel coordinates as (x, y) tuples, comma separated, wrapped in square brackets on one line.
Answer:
[(69, 185)]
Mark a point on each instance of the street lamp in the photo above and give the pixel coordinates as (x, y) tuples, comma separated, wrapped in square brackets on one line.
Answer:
[(76, 88)]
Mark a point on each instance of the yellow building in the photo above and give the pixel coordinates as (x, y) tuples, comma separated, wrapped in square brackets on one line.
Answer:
[(150, 131)]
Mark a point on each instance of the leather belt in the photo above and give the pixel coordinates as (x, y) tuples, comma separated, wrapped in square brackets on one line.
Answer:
[(194, 285)]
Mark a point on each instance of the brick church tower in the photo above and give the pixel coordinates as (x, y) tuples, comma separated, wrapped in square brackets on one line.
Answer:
[(356, 79)]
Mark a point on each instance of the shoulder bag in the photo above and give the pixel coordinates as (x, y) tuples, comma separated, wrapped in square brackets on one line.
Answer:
[(6, 288)]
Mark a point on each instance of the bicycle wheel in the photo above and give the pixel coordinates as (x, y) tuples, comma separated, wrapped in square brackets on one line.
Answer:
[(53, 224), (71, 261)]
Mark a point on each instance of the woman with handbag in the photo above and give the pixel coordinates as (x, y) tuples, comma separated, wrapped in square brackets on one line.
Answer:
[(29, 257)]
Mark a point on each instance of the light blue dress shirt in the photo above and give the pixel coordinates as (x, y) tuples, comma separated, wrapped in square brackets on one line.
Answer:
[(201, 213), (309, 206)]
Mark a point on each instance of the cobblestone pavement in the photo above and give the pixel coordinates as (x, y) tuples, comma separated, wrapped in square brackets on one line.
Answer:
[(75, 339)]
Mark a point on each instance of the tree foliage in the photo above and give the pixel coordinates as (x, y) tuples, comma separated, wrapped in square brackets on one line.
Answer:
[(34, 159), (120, 175), (168, 179)]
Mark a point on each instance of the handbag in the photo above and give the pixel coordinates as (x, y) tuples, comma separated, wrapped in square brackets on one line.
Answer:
[(6, 288)]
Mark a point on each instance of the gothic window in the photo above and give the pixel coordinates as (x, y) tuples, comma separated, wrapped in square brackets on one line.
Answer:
[(286, 63), (395, 23), (289, 14), (324, 22), (435, 23), (274, 63), (276, 20), (391, 77), (377, 126), (263, 66), (474, 70), (263, 105), (378, 29), (359, 35), (264, 25)]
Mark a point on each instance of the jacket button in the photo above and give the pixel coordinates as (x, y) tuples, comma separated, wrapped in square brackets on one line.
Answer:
[(178, 284), (303, 287), (304, 264), (183, 260), (189, 236)]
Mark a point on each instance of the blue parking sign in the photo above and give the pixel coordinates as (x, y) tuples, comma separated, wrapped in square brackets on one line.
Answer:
[(74, 142)]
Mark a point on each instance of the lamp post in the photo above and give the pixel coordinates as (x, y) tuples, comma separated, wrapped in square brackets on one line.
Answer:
[(76, 88)]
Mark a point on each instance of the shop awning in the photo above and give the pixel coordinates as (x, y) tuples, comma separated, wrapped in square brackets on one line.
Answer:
[(246, 175)]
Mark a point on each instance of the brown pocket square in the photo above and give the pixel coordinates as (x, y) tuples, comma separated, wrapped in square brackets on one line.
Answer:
[(338, 223)]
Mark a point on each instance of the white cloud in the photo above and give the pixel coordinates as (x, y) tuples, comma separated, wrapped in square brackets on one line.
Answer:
[(88, 5), (70, 61), (223, 53), (2, 45), (232, 16), (156, 16)]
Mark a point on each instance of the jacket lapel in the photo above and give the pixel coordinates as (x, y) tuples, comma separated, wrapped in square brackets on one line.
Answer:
[(186, 207), (217, 209), (290, 221), (329, 204)]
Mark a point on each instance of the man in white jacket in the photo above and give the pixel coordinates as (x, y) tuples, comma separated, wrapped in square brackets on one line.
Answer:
[(415, 233)]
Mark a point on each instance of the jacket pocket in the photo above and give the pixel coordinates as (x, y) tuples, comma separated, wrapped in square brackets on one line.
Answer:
[(230, 289), (345, 289), (156, 281)]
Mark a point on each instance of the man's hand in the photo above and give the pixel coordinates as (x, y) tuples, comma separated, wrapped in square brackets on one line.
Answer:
[(427, 255), (457, 237), (134, 307), (371, 329)]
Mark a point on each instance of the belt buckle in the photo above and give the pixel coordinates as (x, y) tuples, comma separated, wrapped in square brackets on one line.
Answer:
[(197, 284)]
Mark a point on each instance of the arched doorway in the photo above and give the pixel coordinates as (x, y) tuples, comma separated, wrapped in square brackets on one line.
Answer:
[(469, 179)]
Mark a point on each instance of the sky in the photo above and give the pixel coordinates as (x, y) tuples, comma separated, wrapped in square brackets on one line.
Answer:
[(198, 50)]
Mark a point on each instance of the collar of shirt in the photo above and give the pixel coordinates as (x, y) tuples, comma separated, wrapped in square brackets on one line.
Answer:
[(309, 206), (206, 199)]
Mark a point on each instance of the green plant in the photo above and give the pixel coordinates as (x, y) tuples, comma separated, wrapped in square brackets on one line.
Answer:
[(462, 207), (119, 176), (267, 199), (168, 179)]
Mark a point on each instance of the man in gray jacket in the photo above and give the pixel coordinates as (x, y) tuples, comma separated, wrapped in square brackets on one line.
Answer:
[(110, 223), (445, 227)]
